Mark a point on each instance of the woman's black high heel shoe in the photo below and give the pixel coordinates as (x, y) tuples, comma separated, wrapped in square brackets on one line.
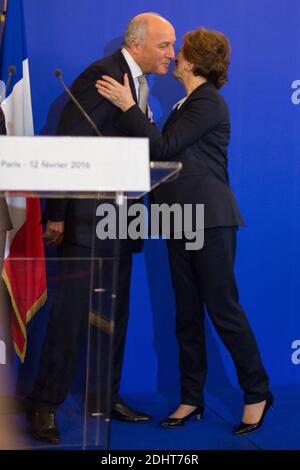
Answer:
[(245, 428), (178, 422)]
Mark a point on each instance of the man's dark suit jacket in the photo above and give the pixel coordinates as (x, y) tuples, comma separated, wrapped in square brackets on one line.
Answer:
[(5, 223), (197, 135), (78, 214)]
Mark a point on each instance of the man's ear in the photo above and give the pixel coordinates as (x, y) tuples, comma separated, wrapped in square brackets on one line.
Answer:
[(135, 46)]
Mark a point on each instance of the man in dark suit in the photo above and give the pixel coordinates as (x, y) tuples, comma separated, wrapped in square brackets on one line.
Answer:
[(147, 48)]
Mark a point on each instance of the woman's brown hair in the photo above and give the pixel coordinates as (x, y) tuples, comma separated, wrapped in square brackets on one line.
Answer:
[(209, 52)]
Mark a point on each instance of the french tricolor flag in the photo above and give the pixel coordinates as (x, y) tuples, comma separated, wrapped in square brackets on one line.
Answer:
[(24, 266)]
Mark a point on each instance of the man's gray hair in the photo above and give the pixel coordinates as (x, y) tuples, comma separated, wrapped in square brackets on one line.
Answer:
[(137, 28)]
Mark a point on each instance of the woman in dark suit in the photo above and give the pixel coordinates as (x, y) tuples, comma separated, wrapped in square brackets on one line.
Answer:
[(197, 134)]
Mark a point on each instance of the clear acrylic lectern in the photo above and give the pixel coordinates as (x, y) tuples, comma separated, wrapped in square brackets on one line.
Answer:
[(104, 170)]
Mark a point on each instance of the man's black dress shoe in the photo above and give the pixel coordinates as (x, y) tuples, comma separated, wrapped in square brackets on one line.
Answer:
[(173, 423), (43, 427), (123, 412), (245, 428)]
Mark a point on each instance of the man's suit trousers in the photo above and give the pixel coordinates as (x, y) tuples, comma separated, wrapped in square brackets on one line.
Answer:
[(67, 326)]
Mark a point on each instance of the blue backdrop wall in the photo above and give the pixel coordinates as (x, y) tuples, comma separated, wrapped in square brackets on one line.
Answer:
[(264, 99)]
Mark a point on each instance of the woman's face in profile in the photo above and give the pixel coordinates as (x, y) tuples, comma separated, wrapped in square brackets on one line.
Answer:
[(178, 71), (183, 68)]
